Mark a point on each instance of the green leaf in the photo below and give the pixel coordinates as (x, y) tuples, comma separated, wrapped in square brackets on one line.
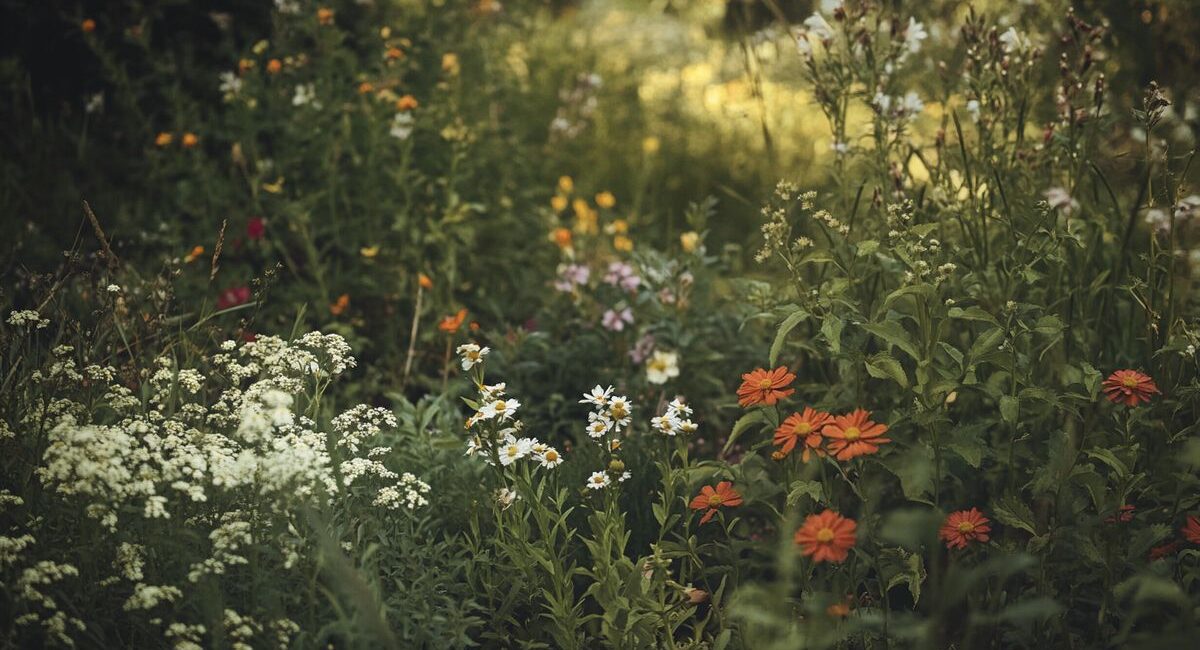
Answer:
[(785, 328), (1013, 512), (885, 366), (900, 567), (819, 255), (1010, 408), (894, 333), (1109, 458), (986, 344), (972, 313), (915, 469), (745, 422), (831, 328), (811, 489)]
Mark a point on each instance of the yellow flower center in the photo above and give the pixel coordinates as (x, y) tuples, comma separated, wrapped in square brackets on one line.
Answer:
[(597, 479), (966, 527), (852, 433), (500, 405), (551, 456), (715, 500), (1130, 382), (618, 411), (804, 428), (764, 383), (825, 535)]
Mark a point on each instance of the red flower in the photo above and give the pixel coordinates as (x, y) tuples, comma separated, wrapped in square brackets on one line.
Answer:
[(827, 537), (806, 426), (854, 435), (710, 499), (1129, 387), (1163, 550), (765, 386), (256, 227), (963, 527), (1192, 530), (233, 297), (1124, 515)]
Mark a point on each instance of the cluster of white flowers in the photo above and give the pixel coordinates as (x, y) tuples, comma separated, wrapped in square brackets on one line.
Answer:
[(43, 607), (28, 318), (675, 420), (472, 355), (360, 424), (608, 418), (149, 596), (409, 492)]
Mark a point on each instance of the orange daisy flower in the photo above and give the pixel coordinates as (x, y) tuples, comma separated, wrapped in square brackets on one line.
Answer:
[(1192, 530), (425, 281), (712, 499), (1129, 387), (827, 537), (802, 426), (765, 386), (274, 66), (339, 307), (854, 435), (450, 324), (963, 527)]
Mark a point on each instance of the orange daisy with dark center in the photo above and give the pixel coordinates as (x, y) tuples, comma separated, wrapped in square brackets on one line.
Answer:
[(854, 435), (711, 499), (804, 426), (765, 386), (826, 537), (1191, 531), (1129, 387), (963, 527)]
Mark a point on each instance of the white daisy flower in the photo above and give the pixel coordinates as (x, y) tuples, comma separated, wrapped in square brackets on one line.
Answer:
[(598, 425), (505, 497), (677, 408), (598, 396), (624, 476), (598, 480), (665, 424), (619, 410), (687, 427), (472, 355), (550, 458), (501, 409), (495, 391), (512, 451)]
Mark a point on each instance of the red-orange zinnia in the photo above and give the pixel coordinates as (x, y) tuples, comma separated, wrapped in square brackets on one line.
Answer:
[(711, 499), (963, 527), (827, 537), (1192, 530), (450, 324), (765, 386), (804, 426), (854, 434), (1129, 387)]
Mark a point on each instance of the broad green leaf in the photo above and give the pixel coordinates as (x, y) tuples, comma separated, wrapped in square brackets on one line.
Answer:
[(972, 313), (1013, 512), (745, 422), (900, 567), (1010, 408), (811, 489), (781, 334), (831, 328), (885, 366), (894, 333), (915, 469)]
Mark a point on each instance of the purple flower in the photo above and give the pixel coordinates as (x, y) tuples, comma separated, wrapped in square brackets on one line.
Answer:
[(622, 275), (571, 276), (642, 349), (616, 320)]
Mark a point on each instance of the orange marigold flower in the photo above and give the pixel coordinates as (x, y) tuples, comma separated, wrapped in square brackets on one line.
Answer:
[(1129, 387), (195, 254), (325, 16), (163, 139), (274, 66), (425, 281), (1191, 531), (765, 386), (340, 306), (559, 203), (189, 140), (826, 537), (711, 499), (365, 87), (606, 199), (622, 243), (88, 26), (407, 103), (394, 53), (854, 435), (245, 65), (562, 237), (450, 63), (450, 324), (804, 426), (566, 184), (963, 527)]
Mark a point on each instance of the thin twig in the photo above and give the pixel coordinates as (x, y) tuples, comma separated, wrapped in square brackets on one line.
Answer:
[(412, 340), (212, 274), (109, 256)]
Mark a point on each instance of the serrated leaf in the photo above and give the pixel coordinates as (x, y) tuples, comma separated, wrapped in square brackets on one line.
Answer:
[(885, 366), (915, 469), (900, 567), (1013, 512), (894, 333), (811, 489), (831, 328), (972, 313)]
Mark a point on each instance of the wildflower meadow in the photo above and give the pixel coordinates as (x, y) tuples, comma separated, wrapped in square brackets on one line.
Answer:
[(687, 324)]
